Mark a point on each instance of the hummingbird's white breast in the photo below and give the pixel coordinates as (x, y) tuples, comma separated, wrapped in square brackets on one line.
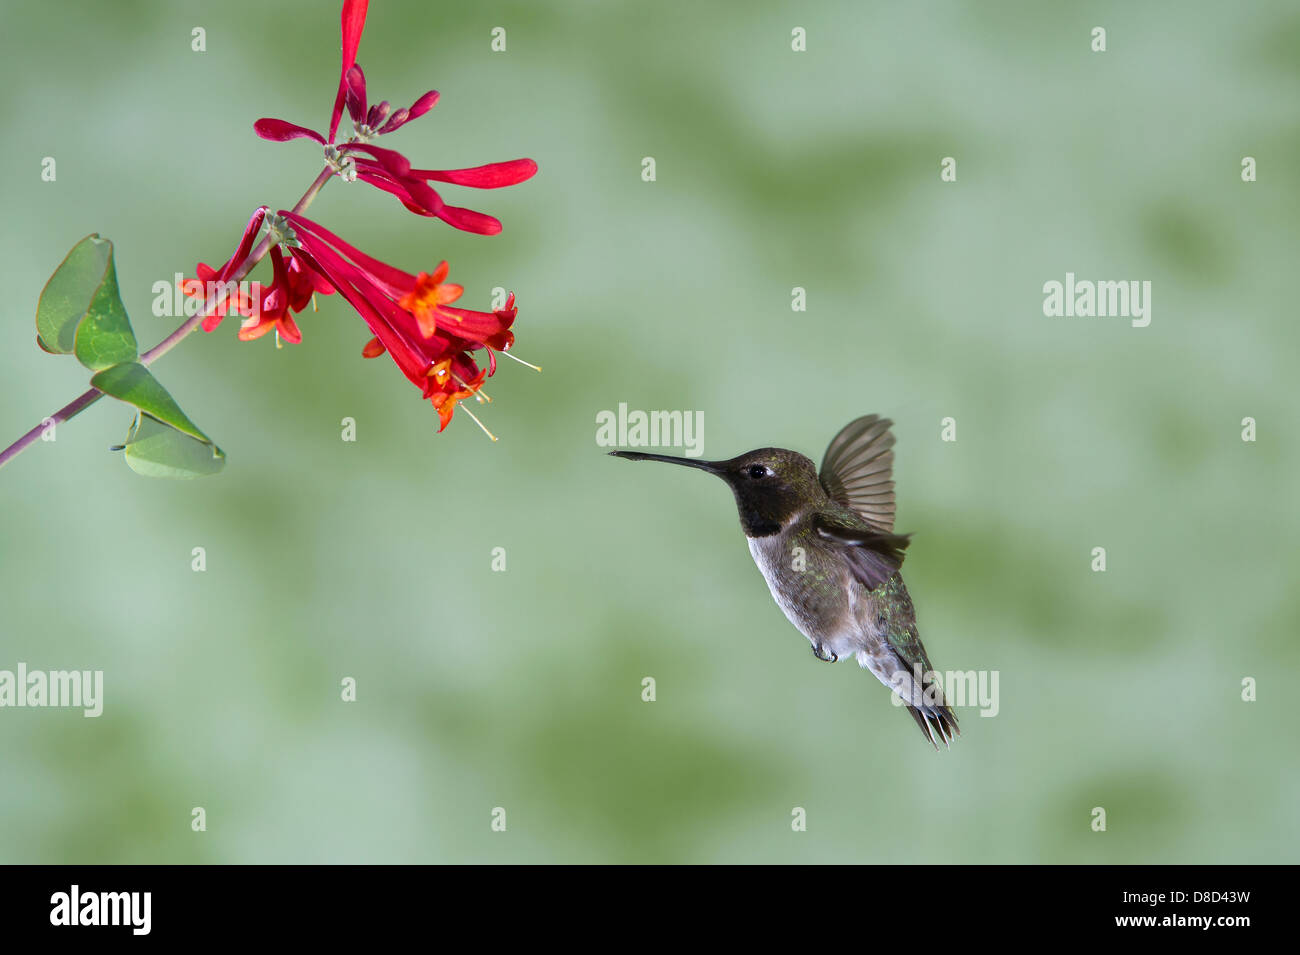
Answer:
[(774, 557), (856, 635)]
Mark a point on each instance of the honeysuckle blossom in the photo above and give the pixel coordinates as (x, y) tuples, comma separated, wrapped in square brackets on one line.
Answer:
[(292, 288), (410, 317), (209, 281), (386, 169), (262, 307)]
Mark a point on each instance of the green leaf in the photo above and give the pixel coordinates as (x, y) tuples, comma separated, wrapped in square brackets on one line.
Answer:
[(131, 382), (104, 337), (80, 310), (66, 297), (155, 449)]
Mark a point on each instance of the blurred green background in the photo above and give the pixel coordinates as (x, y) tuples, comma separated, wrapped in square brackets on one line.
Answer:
[(522, 689)]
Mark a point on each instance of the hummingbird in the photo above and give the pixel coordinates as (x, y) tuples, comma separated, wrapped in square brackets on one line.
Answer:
[(826, 546)]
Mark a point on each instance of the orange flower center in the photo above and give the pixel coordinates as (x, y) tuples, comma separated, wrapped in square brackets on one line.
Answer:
[(424, 300)]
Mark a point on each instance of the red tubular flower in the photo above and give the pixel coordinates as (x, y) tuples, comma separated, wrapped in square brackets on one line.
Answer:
[(235, 300), (426, 298), (384, 168), (352, 22), (410, 317), (263, 307), (290, 291), (210, 279)]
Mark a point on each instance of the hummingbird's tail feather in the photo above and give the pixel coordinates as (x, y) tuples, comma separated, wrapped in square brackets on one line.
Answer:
[(937, 723), (919, 688)]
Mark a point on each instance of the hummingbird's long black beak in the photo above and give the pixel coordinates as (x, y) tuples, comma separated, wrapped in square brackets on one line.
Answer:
[(711, 466)]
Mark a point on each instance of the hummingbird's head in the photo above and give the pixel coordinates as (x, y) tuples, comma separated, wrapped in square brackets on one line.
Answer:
[(771, 485)]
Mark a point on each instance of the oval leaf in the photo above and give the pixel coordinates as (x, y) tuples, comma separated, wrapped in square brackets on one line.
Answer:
[(104, 337), (67, 295), (132, 382), (155, 449)]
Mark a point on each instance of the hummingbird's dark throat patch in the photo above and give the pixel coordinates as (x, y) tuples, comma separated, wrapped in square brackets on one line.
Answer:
[(755, 525)]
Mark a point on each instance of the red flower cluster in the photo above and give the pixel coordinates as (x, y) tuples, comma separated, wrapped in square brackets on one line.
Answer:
[(387, 169), (409, 316), (263, 308)]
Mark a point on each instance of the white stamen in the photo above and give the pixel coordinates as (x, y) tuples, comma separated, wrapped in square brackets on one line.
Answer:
[(477, 422), (521, 361)]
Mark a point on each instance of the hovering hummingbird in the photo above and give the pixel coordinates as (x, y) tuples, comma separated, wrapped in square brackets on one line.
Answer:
[(827, 548)]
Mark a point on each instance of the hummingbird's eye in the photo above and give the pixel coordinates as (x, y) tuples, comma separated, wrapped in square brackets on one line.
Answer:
[(757, 471)]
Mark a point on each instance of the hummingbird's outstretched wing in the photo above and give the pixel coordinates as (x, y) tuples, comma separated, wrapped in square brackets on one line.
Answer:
[(873, 555), (858, 470)]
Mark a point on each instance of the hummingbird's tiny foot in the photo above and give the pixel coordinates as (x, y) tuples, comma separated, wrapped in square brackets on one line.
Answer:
[(826, 656)]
